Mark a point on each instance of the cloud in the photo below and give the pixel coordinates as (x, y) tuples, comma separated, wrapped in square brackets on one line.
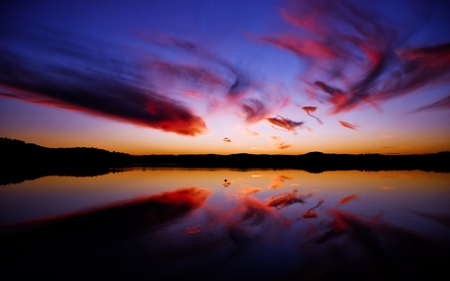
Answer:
[(226, 140), (443, 103), (284, 146), (285, 123), (97, 84), (170, 74), (255, 110), (311, 109), (193, 94), (347, 125), (193, 230), (336, 39), (279, 143), (138, 88), (252, 133), (423, 66), (252, 98)]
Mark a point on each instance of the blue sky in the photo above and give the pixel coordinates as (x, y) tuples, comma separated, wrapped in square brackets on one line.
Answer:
[(226, 77)]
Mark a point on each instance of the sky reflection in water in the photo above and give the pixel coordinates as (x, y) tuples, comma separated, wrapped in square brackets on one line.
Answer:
[(266, 224)]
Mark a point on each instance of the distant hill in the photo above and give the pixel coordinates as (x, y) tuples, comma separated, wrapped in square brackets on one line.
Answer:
[(25, 161), (17, 153), (21, 161)]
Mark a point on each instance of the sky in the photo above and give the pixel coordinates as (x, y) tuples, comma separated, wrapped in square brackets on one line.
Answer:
[(224, 77)]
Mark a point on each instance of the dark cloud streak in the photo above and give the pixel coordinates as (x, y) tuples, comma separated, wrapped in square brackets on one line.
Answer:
[(311, 109), (443, 103), (285, 123), (106, 86)]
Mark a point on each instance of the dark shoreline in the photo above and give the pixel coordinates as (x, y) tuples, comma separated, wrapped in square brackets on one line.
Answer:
[(24, 161)]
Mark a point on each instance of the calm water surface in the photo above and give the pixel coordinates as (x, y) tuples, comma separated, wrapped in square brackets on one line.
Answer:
[(266, 224)]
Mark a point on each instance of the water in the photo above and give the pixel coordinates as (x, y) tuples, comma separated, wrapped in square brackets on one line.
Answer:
[(232, 224)]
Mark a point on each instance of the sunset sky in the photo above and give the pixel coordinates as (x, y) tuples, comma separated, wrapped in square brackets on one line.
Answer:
[(205, 76)]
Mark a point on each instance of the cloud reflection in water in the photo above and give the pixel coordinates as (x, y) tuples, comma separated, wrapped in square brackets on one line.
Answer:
[(175, 235)]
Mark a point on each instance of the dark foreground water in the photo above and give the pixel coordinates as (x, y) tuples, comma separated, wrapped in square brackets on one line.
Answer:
[(221, 224)]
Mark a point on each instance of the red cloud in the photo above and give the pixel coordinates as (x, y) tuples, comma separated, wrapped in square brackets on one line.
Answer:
[(335, 38), (284, 146), (311, 109), (285, 123), (347, 125), (101, 89), (151, 110)]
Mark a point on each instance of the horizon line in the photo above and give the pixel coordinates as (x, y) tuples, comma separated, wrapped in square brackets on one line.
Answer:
[(237, 153)]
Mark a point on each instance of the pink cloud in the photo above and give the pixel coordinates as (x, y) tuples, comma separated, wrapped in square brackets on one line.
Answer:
[(285, 123), (347, 125)]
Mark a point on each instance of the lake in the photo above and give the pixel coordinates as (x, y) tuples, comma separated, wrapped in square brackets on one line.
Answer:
[(223, 224)]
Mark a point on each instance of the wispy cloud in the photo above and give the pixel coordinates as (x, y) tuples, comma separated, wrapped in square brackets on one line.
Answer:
[(252, 133), (334, 38), (284, 146), (443, 103), (285, 123), (311, 109), (347, 125), (251, 97), (279, 143), (141, 89)]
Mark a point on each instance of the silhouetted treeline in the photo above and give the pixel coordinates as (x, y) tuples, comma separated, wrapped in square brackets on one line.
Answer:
[(26, 161), (311, 162), (21, 161)]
